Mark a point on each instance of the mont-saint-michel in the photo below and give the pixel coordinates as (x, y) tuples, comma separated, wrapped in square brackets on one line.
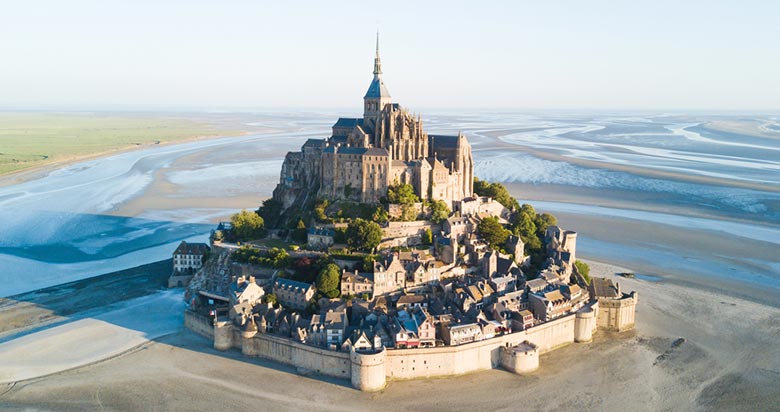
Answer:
[(412, 267), (521, 206)]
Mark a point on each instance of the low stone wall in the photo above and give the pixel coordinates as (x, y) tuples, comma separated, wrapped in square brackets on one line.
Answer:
[(179, 281), (408, 229), (347, 263), (199, 324)]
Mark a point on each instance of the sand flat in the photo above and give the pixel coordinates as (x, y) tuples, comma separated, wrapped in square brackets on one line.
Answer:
[(729, 359), (79, 342)]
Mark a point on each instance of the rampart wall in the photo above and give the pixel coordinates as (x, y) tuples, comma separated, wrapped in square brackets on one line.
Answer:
[(199, 324), (305, 357), (457, 360), (370, 371)]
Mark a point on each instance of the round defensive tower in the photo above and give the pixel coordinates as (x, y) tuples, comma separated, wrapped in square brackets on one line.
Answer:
[(368, 370), (223, 335), (521, 358), (248, 331), (584, 323)]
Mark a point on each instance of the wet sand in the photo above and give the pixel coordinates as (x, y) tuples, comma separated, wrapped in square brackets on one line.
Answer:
[(728, 361), (60, 303)]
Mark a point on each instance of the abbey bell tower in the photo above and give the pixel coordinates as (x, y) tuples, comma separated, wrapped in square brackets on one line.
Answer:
[(377, 95)]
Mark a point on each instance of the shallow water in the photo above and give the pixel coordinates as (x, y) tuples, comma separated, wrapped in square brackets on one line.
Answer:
[(121, 211)]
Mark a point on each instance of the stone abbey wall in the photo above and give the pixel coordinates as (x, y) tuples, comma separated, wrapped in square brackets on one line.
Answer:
[(370, 371)]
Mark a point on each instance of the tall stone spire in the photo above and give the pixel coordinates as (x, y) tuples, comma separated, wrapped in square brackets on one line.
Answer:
[(377, 60), (377, 96)]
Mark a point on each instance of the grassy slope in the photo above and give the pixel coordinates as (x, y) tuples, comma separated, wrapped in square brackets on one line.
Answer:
[(36, 139)]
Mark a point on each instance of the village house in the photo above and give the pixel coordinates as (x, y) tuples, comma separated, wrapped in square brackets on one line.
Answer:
[(328, 329), (355, 284), (362, 340), (244, 295), (389, 276), (446, 249), (458, 334), (187, 259), (561, 248), (293, 294), (320, 238), (426, 329), (547, 306)]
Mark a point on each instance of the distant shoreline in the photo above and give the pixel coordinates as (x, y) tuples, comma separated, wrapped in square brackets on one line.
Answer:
[(38, 171)]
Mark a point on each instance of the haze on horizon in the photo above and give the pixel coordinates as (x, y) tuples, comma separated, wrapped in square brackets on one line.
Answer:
[(597, 55)]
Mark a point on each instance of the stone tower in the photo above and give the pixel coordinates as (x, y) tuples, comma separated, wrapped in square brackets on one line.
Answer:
[(377, 95)]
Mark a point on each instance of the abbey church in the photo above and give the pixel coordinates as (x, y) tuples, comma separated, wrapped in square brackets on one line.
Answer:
[(364, 156)]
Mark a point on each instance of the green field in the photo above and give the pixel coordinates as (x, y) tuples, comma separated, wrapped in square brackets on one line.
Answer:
[(36, 139)]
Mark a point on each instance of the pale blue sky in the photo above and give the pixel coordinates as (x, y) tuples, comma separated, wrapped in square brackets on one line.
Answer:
[(703, 55)]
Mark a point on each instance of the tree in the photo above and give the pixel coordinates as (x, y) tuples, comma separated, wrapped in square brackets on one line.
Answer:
[(427, 237), (300, 232), (380, 215), (319, 211), (247, 225), (583, 269), (363, 235), (523, 225), (401, 193), (544, 221), (491, 230), (340, 235), (328, 281), (278, 258), (531, 227), (439, 211), (270, 211), (367, 265), (270, 298)]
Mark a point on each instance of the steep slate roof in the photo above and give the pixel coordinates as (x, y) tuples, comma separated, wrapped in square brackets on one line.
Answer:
[(377, 89), (536, 284), (191, 248), (444, 141), (361, 151), (503, 265), (292, 284), (554, 296), (348, 122), (334, 140), (375, 151), (603, 288), (314, 143), (321, 231)]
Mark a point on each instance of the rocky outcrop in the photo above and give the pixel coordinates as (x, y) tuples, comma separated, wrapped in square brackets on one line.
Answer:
[(214, 277)]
